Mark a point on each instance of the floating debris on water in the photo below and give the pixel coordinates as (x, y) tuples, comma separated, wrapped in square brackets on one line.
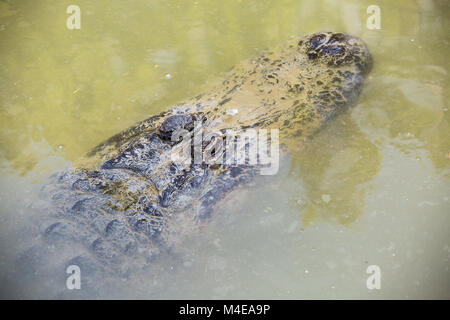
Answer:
[(267, 209), (168, 76), (301, 202), (232, 112), (326, 198)]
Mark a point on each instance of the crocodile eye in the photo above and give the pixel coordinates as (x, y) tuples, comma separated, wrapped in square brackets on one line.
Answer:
[(174, 123), (317, 40)]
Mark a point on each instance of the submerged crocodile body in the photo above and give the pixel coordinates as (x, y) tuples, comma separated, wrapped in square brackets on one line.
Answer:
[(129, 200)]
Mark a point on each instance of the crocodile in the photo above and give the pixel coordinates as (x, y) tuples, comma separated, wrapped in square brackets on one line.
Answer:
[(128, 200)]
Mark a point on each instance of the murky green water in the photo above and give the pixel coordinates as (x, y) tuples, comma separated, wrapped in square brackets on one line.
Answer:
[(372, 188)]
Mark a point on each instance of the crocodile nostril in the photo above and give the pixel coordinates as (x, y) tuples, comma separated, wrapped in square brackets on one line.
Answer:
[(333, 49), (317, 40), (336, 37)]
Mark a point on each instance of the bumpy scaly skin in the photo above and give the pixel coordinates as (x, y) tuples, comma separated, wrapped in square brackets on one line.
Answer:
[(132, 201)]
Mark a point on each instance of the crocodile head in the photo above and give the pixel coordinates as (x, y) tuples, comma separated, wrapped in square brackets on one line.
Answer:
[(302, 84), (337, 49), (335, 66)]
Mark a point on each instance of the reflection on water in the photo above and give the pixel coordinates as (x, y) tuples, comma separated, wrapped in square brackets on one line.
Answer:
[(64, 91), (336, 166)]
